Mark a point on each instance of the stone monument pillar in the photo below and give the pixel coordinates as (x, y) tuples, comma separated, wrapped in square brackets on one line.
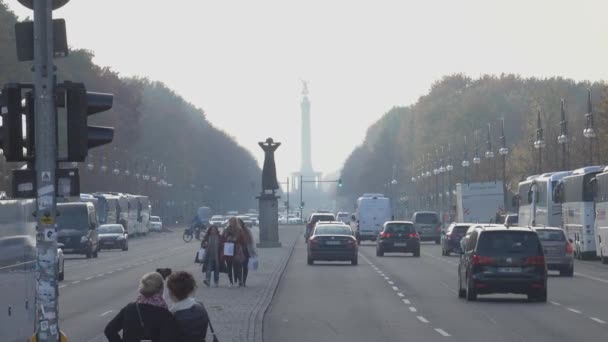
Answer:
[(268, 200)]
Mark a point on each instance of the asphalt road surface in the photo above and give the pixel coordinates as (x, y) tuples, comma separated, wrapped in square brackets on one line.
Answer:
[(398, 297), (94, 290)]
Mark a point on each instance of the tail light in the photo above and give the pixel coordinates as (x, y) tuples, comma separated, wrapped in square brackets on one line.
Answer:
[(413, 235), (535, 260), (569, 249), (385, 235), (479, 260), (351, 242), (313, 242)]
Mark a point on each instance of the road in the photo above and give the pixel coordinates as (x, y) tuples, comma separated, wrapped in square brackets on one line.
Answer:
[(399, 297), (96, 289)]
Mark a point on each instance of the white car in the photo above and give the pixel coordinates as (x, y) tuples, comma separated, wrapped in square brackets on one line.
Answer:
[(343, 217), (294, 220), (217, 220), (156, 225)]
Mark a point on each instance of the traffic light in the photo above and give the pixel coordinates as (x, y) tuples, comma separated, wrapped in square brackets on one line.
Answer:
[(11, 134), (79, 104), (340, 183)]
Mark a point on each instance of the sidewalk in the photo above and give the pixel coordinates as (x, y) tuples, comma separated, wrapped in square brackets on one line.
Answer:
[(237, 313)]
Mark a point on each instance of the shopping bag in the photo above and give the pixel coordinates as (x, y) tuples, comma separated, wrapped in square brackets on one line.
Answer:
[(201, 255), (253, 263), (229, 249)]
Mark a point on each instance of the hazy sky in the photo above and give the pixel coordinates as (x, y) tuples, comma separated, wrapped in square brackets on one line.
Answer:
[(241, 61)]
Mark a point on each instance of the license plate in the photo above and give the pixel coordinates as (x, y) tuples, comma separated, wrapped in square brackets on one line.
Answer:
[(509, 269), (400, 244), (332, 242)]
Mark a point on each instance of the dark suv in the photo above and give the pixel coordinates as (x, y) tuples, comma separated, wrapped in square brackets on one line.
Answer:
[(398, 236), (499, 259), (314, 218), (428, 225), (450, 241)]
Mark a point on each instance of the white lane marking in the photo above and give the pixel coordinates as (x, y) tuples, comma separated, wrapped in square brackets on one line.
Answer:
[(395, 288), (555, 303), (119, 269), (591, 277), (382, 274), (413, 309), (574, 310), (406, 301), (400, 294), (108, 273), (76, 282), (422, 319), (391, 282), (597, 320), (89, 278), (442, 332), (99, 275), (62, 286), (107, 312), (387, 278)]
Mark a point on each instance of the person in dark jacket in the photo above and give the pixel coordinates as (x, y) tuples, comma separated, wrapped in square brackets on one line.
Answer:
[(248, 250), (190, 315), (145, 319)]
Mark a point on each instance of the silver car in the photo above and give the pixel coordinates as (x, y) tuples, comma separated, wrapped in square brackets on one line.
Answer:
[(559, 253)]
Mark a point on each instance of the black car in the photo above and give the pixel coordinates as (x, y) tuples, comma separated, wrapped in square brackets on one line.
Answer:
[(332, 242), (113, 236), (314, 218), (428, 225), (450, 240), (398, 236), (499, 259), (77, 228)]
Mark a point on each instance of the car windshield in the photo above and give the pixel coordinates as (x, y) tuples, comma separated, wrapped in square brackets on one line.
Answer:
[(399, 228), (154, 219), (460, 230), (72, 217), (110, 229), (512, 219), (332, 230), (427, 218), (323, 218), (515, 242), (551, 235)]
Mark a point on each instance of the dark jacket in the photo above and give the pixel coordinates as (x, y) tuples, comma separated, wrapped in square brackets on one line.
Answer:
[(159, 325), (192, 323)]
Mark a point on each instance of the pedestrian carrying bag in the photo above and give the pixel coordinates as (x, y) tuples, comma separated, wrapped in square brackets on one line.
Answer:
[(200, 256), (213, 332), (229, 249), (141, 323), (253, 263)]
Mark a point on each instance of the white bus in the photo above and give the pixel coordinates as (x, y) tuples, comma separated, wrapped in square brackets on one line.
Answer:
[(143, 214), (601, 215), (537, 207), (576, 194)]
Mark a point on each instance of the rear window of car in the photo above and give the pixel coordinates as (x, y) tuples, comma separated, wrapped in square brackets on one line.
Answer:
[(333, 230), (399, 228), (325, 218), (550, 235), (508, 242), (426, 218), (512, 219), (461, 230)]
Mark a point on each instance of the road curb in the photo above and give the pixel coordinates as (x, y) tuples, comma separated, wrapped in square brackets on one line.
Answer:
[(255, 326)]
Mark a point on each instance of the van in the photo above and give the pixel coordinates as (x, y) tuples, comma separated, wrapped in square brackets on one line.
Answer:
[(77, 228), (428, 225), (373, 210)]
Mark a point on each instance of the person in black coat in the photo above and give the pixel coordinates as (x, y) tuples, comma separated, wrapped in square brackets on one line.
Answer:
[(148, 318), (190, 315)]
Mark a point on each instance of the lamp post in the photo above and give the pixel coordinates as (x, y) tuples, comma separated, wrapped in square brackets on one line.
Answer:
[(589, 131), (442, 170), (476, 158), (504, 151), (414, 193), (465, 162), (490, 152), (449, 168), (539, 143), (562, 139)]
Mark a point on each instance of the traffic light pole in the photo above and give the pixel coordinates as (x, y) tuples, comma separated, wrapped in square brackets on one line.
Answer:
[(47, 325)]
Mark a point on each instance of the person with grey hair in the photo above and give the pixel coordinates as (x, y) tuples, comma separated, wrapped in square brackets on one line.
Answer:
[(147, 318)]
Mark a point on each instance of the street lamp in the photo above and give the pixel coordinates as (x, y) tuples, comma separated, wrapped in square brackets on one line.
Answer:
[(562, 139), (504, 151), (589, 131), (476, 158), (539, 143)]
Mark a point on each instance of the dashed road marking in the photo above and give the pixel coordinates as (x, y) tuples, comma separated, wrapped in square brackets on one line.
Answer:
[(99, 275), (119, 269), (406, 301), (76, 282), (395, 288), (62, 286), (413, 309), (555, 303), (597, 320), (574, 310), (591, 277), (422, 319), (107, 312), (400, 294), (391, 282), (442, 332), (88, 278)]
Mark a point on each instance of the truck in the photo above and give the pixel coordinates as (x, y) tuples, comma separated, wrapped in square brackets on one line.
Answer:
[(479, 202), (373, 210)]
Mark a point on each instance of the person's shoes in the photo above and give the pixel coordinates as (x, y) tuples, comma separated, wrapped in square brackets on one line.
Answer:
[(240, 284), (231, 285), (206, 282), (216, 285), (244, 284)]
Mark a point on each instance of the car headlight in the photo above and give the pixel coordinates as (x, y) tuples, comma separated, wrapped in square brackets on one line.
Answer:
[(121, 237), (84, 239)]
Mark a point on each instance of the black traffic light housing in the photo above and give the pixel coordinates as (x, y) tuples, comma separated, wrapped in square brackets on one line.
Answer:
[(79, 104), (11, 133)]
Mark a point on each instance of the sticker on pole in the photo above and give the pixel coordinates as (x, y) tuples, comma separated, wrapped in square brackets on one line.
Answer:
[(49, 234), (47, 220), (46, 176), (45, 202)]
